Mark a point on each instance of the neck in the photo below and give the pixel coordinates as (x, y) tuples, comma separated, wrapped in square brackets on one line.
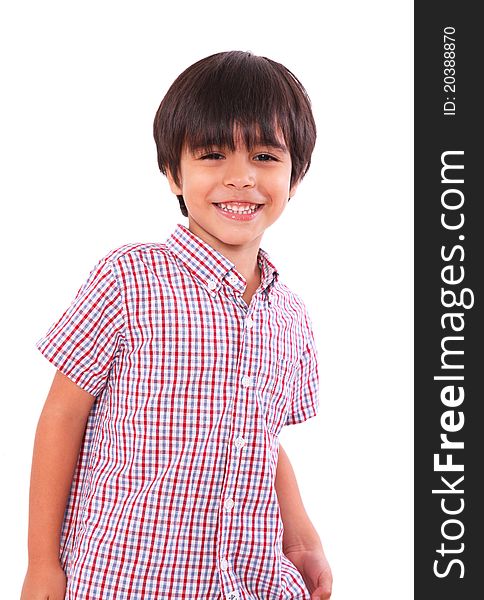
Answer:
[(245, 261)]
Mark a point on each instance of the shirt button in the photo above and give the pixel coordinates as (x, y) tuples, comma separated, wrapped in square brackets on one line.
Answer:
[(246, 381), (233, 279), (211, 284), (239, 442), (229, 504), (249, 323), (232, 596), (224, 564)]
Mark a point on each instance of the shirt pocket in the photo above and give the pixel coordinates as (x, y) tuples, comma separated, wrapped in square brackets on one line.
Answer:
[(275, 392)]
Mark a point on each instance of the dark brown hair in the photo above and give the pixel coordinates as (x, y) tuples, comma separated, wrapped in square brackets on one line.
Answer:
[(228, 89)]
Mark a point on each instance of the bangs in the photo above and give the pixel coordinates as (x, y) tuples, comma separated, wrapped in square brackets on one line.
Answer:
[(239, 94), (225, 135)]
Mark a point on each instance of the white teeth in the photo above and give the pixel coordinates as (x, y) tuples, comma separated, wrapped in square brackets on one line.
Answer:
[(241, 210)]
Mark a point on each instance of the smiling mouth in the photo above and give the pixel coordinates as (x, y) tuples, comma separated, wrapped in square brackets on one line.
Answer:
[(242, 208)]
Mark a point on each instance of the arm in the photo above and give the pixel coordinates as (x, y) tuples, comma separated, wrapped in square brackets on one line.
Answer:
[(301, 542), (56, 448)]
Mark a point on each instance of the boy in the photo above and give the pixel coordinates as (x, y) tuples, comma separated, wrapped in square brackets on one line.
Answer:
[(157, 468)]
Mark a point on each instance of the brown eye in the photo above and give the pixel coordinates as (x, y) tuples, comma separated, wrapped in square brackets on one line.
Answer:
[(212, 156), (265, 157)]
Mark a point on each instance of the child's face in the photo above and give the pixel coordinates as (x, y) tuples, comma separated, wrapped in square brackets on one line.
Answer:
[(217, 186)]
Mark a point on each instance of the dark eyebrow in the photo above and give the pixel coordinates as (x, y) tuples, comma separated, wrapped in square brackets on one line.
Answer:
[(211, 147), (275, 146)]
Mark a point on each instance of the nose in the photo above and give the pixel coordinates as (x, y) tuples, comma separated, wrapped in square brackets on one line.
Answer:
[(239, 172)]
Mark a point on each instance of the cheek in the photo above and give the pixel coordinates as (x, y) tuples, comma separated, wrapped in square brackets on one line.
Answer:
[(281, 187), (282, 181), (197, 184)]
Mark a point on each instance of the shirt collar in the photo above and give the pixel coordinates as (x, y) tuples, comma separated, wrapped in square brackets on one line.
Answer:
[(212, 267)]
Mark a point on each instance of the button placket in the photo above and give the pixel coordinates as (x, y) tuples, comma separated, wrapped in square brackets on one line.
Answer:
[(228, 545)]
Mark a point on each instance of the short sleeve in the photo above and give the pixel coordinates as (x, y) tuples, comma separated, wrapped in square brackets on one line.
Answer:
[(83, 343), (305, 400)]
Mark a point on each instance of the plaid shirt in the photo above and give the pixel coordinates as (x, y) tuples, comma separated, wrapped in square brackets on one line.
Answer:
[(173, 495)]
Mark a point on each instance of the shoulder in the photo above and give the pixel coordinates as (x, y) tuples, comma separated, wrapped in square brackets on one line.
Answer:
[(133, 260), (290, 305), (290, 296), (135, 250), (289, 302)]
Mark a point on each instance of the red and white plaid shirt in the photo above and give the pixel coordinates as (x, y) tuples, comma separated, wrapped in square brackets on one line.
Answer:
[(173, 495)]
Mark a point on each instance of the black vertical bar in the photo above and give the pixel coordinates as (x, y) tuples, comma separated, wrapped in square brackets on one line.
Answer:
[(449, 260)]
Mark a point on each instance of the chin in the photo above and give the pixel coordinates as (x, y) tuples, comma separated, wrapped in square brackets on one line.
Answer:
[(234, 240), (239, 240)]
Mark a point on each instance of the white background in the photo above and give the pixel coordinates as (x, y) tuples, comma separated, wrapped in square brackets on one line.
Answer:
[(81, 83)]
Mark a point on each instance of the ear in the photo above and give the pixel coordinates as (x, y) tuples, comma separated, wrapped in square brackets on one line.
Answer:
[(294, 187), (175, 188)]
